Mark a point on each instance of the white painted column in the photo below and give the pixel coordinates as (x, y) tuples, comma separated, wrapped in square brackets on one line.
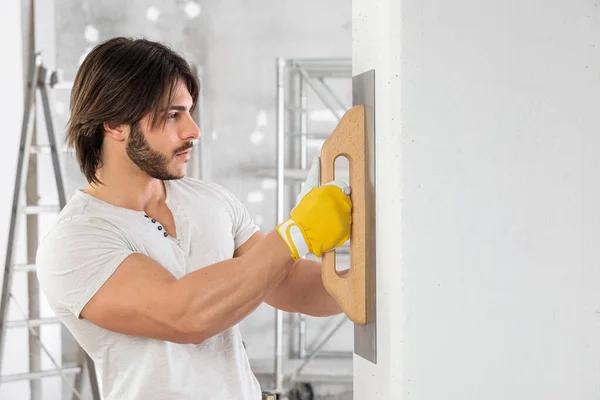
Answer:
[(488, 193), (376, 45)]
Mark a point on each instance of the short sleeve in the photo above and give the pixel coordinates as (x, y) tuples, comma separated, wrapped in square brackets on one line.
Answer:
[(76, 258), (243, 226)]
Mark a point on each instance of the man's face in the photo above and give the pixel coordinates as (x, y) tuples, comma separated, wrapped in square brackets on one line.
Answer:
[(162, 152)]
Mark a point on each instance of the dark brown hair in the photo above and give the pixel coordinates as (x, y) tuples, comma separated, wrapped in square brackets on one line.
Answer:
[(120, 82)]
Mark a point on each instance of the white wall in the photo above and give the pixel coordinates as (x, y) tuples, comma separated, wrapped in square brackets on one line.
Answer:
[(11, 109), (488, 185)]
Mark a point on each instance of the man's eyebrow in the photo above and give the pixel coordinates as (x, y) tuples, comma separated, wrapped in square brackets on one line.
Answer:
[(178, 108)]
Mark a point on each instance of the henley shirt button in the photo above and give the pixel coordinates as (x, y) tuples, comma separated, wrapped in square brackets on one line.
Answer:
[(166, 234), (146, 215), (160, 228), (153, 220)]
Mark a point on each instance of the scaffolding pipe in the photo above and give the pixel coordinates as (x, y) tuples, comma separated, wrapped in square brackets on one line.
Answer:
[(323, 67), (327, 62), (321, 95), (319, 346), (328, 90), (40, 374), (303, 167), (280, 212)]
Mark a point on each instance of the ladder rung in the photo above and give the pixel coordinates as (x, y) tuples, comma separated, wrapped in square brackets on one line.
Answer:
[(28, 376), (45, 149), (64, 85), (32, 210), (24, 267), (32, 322)]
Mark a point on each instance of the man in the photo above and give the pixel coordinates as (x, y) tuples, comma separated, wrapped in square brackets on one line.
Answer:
[(151, 271)]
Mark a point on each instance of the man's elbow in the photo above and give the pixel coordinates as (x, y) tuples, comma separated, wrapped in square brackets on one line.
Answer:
[(188, 332)]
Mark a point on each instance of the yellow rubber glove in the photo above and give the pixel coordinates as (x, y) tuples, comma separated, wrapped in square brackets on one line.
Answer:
[(321, 220)]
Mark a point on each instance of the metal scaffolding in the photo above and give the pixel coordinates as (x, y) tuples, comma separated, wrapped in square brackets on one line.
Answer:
[(294, 79)]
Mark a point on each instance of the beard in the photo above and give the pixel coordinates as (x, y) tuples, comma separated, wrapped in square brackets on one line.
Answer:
[(152, 162)]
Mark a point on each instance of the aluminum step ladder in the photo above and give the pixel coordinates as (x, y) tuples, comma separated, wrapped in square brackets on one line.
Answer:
[(72, 376)]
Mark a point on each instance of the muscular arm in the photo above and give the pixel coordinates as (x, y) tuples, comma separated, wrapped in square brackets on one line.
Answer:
[(301, 290), (143, 299)]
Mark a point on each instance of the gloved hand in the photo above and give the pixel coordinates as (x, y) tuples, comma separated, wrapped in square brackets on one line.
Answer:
[(321, 219)]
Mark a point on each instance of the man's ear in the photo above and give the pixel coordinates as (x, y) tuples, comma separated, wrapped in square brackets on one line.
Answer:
[(118, 132)]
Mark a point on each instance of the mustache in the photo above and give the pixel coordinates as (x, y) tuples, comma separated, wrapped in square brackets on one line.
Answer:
[(183, 148)]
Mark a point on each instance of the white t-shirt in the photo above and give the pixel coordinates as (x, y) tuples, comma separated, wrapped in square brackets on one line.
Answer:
[(89, 242)]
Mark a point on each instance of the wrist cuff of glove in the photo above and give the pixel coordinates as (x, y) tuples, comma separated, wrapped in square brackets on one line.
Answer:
[(292, 235)]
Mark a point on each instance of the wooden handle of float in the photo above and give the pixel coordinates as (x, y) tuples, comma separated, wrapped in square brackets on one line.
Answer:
[(348, 140)]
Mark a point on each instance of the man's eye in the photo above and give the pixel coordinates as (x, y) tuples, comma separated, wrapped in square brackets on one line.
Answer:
[(171, 116)]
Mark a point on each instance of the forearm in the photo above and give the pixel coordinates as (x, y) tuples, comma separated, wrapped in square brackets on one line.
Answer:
[(219, 296), (304, 291)]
